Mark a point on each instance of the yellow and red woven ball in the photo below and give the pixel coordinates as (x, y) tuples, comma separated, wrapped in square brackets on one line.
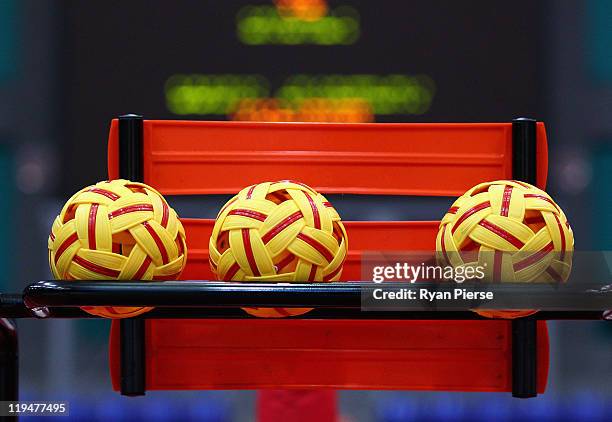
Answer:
[(278, 231), (117, 230), (514, 230)]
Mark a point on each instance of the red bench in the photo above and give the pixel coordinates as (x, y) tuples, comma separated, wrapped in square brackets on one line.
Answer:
[(189, 158)]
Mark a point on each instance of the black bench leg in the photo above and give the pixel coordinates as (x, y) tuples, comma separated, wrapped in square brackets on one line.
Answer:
[(524, 330), (132, 331), (524, 358), (132, 357)]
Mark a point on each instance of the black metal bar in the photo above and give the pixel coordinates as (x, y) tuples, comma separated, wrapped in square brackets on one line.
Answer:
[(524, 330), (331, 313), (317, 313), (205, 299), (12, 306), (192, 294), (132, 331), (339, 295)]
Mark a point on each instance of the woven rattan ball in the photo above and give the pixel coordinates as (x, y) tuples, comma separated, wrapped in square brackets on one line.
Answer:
[(278, 231), (117, 230), (514, 230)]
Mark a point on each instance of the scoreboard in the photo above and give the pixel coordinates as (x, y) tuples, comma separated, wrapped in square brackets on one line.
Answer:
[(313, 60)]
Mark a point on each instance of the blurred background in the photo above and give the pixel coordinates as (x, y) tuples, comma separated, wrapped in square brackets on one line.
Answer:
[(68, 67)]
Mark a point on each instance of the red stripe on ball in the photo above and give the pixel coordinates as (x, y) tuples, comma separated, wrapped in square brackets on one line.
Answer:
[(129, 209), (143, 268), (468, 213), (533, 258), (505, 205), (562, 257), (91, 226), (95, 267), (158, 242), (110, 195), (248, 249), (231, 272), (248, 213), (318, 246), (69, 241), (281, 226), (502, 233), (315, 211), (166, 215)]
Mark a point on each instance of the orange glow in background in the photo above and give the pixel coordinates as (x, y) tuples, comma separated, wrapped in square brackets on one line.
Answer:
[(343, 110), (306, 10)]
